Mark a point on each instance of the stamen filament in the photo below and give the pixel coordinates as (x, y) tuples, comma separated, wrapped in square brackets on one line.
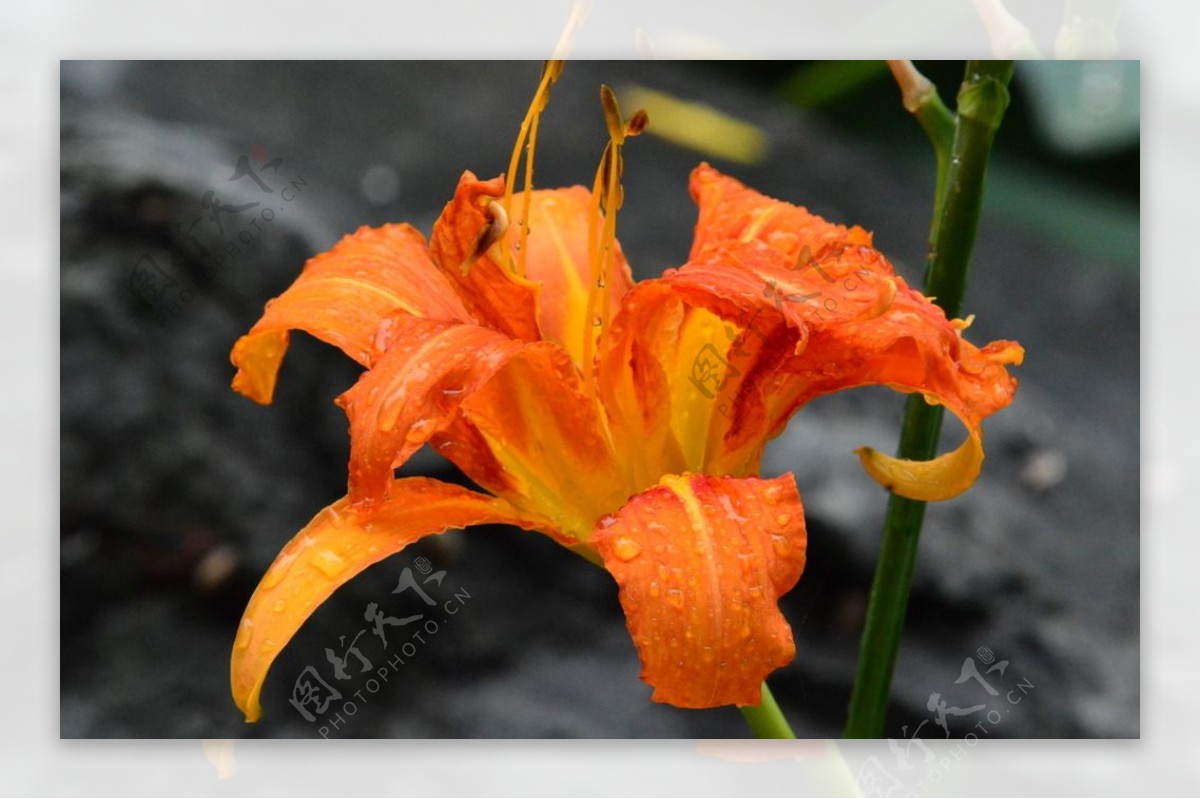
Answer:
[(528, 195), (527, 134), (607, 198)]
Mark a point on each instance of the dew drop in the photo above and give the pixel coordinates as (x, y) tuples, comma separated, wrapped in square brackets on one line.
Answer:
[(278, 570), (675, 598), (783, 518), (780, 544), (280, 606), (771, 494), (245, 633), (654, 589), (626, 549), (329, 563)]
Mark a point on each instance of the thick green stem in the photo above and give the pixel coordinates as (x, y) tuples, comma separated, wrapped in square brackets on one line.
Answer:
[(982, 100), (766, 719)]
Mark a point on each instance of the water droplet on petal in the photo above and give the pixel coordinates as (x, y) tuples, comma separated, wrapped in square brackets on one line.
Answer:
[(329, 563), (626, 548), (783, 518), (280, 606), (279, 569), (771, 494), (245, 632)]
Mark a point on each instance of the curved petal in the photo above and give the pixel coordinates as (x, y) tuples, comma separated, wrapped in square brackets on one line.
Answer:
[(413, 392), (546, 434), (732, 215), (798, 324), (701, 331), (557, 257), (701, 563), (340, 297), (335, 546), (550, 301), (944, 477)]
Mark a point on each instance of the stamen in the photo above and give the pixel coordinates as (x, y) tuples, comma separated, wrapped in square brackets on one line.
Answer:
[(527, 140), (607, 198)]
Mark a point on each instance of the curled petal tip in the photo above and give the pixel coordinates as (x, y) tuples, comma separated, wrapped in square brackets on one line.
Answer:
[(942, 478), (253, 714)]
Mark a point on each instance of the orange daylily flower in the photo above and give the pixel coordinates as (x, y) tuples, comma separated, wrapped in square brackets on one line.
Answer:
[(626, 422)]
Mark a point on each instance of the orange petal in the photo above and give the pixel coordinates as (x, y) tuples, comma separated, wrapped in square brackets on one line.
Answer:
[(732, 215), (753, 290), (550, 301), (547, 434), (912, 348), (701, 563), (635, 383), (807, 308), (557, 257), (341, 297), (495, 296), (413, 392), (335, 546)]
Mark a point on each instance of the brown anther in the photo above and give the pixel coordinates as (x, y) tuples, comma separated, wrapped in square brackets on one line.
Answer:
[(491, 232), (637, 123), (612, 114)]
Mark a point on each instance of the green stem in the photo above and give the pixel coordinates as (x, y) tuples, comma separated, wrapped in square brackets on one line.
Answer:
[(982, 100), (766, 719)]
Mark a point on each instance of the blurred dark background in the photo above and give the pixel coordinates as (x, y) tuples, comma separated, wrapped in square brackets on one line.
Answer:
[(177, 493)]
